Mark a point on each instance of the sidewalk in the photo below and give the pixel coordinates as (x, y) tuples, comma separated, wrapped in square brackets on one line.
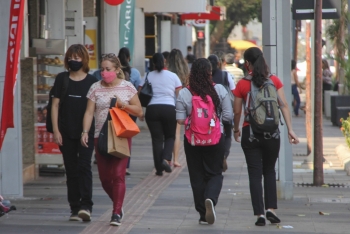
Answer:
[(162, 205)]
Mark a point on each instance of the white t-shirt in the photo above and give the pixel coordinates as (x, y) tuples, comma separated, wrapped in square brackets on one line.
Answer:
[(231, 81), (164, 84)]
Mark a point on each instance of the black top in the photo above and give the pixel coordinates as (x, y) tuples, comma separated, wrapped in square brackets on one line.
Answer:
[(220, 77), (74, 105)]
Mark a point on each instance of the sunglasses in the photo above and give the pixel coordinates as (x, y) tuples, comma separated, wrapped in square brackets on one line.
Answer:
[(110, 55)]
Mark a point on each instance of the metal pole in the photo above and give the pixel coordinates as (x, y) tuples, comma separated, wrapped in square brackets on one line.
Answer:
[(318, 133)]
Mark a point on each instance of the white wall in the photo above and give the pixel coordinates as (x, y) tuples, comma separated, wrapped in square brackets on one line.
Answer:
[(165, 35), (181, 37), (139, 41), (11, 154), (110, 28), (55, 19), (178, 6), (77, 6)]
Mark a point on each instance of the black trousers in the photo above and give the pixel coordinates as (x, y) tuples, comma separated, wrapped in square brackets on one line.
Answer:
[(161, 121), (261, 157), (205, 170), (77, 162)]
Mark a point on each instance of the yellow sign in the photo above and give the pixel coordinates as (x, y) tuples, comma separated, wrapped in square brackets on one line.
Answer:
[(91, 46)]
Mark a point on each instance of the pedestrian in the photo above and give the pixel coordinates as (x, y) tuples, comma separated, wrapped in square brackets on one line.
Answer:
[(326, 78), (135, 78), (224, 78), (67, 122), (177, 64), (261, 151), (295, 85), (190, 57), (160, 113), (204, 162), (111, 170), (231, 67), (165, 55)]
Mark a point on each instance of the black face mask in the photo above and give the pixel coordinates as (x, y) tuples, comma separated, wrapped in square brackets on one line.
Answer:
[(74, 65)]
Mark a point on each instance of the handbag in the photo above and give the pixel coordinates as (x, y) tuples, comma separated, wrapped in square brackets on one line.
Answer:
[(146, 93), (117, 146), (103, 136), (123, 125)]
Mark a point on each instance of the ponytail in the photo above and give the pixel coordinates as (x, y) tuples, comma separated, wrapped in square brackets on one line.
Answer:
[(158, 61), (260, 69)]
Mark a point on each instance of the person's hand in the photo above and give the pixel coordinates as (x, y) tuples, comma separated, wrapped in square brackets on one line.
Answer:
[(84, 139), (293, 138), (142, 118), (237, 135), (57, 137)]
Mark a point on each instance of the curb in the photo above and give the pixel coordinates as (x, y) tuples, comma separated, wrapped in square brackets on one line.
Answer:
[(343, 153)]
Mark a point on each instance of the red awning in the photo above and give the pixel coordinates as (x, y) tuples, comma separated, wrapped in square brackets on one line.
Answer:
[(216, 13)]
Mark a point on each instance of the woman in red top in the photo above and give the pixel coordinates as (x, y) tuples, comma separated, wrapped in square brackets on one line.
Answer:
[(261, 154)]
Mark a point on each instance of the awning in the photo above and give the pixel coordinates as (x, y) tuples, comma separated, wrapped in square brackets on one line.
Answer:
[(241, 44), (173, 6), (215, 13)]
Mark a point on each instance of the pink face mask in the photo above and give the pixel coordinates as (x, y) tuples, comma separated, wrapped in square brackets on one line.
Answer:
[(108, 76)]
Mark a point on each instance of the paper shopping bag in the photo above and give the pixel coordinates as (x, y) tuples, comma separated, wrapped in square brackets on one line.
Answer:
[(124, 126), (117, 146)]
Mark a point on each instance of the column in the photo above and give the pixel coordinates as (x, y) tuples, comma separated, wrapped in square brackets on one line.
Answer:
[(276, 47)]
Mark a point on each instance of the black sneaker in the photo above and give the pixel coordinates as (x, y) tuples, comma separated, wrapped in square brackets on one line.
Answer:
[(272, 217), (74, 216), (85, 215), (115, 220), (260, 221), (210, 215), (166, 166)]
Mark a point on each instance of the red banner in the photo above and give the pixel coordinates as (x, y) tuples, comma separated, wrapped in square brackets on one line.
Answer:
[(12, 62)]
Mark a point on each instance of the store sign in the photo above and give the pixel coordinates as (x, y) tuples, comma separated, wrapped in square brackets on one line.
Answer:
[(199, 23), (12, 62), (126, 25)]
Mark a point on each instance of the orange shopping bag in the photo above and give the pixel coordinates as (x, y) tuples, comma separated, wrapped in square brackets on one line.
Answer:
[(124, 126)]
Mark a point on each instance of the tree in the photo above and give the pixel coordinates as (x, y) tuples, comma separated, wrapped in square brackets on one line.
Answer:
[(237, 11)]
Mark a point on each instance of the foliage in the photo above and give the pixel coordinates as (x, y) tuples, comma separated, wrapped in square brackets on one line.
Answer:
[(237, 11), (345, 128)]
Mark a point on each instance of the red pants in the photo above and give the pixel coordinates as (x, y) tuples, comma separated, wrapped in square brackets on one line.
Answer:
[(112, 176)]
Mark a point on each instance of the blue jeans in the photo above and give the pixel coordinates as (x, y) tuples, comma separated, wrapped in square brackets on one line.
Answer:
[(296, 98)]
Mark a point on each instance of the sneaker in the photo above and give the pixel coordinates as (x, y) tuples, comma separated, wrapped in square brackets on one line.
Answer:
[(115, 220), (202, 221), (166, 166), (85, 215), (272, 217), (260, 221), (74, 216), (209, 211)]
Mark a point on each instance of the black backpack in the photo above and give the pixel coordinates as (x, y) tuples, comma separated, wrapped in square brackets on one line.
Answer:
[(49, 127)]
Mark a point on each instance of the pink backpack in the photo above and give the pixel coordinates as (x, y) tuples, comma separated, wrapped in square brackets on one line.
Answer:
[(202, 127)]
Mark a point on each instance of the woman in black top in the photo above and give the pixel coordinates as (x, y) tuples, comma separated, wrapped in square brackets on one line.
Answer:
[(67, 122)]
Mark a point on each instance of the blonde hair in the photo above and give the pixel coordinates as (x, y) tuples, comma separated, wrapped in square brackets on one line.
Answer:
[(177, 64), (116, 63)]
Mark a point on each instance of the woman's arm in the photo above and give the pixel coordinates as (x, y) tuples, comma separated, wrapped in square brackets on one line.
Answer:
[(177, 91), (133, 107), (88, 116), (293, 139), (237, 111), (54, 119), (181, 113)]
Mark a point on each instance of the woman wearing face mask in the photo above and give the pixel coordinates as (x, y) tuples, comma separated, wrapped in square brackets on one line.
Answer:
[(111, 170), (67, 122)]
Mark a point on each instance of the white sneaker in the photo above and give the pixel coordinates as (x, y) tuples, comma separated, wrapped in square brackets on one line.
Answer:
[(209, 211)]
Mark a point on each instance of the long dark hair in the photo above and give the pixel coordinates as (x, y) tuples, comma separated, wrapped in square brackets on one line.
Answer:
[(215, 62), (124, 57), (260, 69), (158, 61), (201, 83)]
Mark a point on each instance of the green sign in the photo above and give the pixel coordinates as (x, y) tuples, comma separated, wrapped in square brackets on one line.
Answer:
[(126, 25)]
